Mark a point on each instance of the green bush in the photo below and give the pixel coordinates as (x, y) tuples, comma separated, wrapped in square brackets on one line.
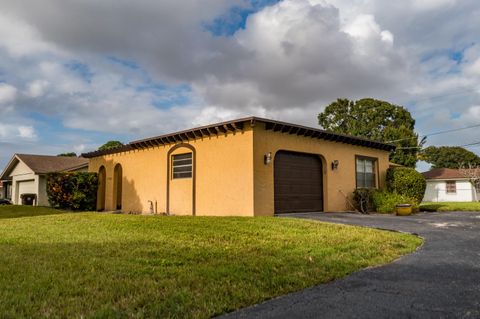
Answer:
[(363, 199), (406, 181), (385, 202), (74, 191)]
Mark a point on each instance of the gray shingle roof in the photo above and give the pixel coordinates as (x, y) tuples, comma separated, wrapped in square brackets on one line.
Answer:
[(42, 164)]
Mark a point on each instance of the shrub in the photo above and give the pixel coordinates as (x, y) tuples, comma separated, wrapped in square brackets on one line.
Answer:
[(406, 181), (363, 199), (74, 191), (385, 202)]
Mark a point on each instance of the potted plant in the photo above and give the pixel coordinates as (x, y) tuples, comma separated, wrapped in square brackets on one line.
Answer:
[(404, 209)]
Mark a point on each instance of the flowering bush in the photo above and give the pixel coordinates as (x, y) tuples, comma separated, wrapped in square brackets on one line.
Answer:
[(73, 191)]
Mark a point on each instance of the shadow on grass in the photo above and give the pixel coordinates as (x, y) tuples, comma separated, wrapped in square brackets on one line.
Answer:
[(432, 207), (99, 266), (17, 211), (451, 207), (106, 280)]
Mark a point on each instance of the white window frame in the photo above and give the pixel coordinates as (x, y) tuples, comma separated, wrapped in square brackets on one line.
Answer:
[(363, 161)]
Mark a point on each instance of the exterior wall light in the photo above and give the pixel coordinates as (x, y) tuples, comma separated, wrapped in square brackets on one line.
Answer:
[(335, 165), (267, 158)]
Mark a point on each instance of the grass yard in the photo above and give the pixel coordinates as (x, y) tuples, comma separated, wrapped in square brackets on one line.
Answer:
[(95, 265), (450, 206)]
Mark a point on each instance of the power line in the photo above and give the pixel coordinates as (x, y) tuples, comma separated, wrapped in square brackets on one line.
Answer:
[(437, 133), (448, 94), (453, 130), (471, 144)]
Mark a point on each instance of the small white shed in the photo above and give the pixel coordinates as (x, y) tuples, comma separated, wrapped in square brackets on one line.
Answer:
[(449, 185)]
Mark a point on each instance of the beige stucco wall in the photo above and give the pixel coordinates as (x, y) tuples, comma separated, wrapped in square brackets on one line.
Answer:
[(231, 177), (335, 182), (224, 177)]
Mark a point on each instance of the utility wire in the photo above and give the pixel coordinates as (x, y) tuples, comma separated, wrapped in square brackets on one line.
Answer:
[(470, 144), (474, 144), (446, 95), (434, 106), (437, 133)]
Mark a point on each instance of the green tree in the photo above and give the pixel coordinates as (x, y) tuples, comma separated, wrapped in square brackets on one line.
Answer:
[(376, 120), (449, 157), (70, 154), (110, 145)]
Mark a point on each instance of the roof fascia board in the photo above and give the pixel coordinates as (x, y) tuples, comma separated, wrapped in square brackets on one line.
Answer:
[(10, 166), (213, 129)]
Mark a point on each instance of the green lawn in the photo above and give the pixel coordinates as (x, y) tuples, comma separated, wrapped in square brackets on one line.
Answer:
[(94, 265), (450, 206)]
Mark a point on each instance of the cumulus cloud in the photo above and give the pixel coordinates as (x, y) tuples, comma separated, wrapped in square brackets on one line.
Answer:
[(154, 66), (8, 93), (11, 131), (299, 55), (37, 88), (27, 132)]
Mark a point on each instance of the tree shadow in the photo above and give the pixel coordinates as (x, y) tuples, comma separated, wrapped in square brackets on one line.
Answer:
[(17, 211), (431, 207)]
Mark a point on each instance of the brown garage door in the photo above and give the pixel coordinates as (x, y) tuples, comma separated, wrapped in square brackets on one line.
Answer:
[(298, 182)]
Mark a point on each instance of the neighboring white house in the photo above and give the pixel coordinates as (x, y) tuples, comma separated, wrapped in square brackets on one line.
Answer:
[(449, 185), (26, 174)]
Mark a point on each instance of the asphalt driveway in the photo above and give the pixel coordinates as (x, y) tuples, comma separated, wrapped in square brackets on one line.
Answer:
[(440, 280)]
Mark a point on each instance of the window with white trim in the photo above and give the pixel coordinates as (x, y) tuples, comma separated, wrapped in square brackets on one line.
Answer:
[(182, 165), (451, 187), (365, 172)]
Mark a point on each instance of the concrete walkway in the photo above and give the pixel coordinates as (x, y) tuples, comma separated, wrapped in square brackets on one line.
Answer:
[(440, 280)]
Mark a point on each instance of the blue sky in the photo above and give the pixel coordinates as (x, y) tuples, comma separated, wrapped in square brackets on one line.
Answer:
[(75, 75)]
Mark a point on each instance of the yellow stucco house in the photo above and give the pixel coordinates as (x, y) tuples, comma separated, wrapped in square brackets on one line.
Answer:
[(245, 167)]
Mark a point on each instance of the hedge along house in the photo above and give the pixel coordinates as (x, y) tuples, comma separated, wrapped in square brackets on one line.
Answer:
[(245, 167)]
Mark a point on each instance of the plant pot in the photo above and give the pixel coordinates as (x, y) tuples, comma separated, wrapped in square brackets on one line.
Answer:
[(404, 209)]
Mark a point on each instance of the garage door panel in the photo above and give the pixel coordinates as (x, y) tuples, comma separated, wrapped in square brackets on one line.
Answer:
[(26, 187), (298, 182)]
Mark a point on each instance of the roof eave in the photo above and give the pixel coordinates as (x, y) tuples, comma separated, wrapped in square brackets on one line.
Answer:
[(9, 167), (236, 125)]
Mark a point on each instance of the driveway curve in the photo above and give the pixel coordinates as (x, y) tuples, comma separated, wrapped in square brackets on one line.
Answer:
[(440, 280)]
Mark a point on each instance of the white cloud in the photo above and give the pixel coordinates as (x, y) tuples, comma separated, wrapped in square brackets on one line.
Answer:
[(363, 27), (21, 39), (301, 56), (27, 132), (432, 4), (474, 68), (37, 88), (291, 60), (79, 148), (14, 132), (8, 93)]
